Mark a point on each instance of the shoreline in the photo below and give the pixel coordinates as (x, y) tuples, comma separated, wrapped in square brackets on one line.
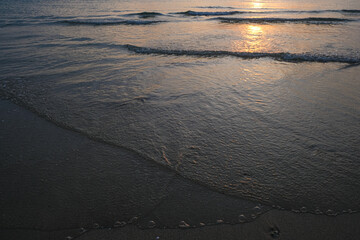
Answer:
[(275, 224), (52, 178)]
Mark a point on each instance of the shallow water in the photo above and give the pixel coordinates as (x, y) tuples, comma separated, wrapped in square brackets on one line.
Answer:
[(255, 99)]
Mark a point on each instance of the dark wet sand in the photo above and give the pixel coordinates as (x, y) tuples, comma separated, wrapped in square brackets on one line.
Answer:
[(272, 225), (54, 182)]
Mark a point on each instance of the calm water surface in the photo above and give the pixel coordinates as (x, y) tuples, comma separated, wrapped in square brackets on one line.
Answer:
[(255, 99)]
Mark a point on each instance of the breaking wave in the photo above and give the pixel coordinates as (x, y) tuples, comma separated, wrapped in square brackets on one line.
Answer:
[(145, 14), (278, 56), (282, 56), (310, 20), (96, 22), (350, 11), (195, 13), (216, 7), (227, 13)]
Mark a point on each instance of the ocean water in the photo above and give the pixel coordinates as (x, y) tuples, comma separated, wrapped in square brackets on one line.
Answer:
[(254, 99)]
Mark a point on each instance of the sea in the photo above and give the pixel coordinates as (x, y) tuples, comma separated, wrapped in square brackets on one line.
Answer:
[(254, 99)]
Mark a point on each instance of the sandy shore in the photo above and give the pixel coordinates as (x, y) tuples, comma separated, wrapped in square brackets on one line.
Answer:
[(274, 224), (56, 183)]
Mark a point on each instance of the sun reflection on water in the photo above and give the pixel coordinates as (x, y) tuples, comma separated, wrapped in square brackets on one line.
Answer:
[(253, 30), (257, 4), (253, 39)]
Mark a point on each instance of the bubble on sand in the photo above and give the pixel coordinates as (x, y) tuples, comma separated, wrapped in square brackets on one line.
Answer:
[(317, 211), (118, 224), (96, 225), (257, 209), (183, 224), (303, 209), (274, 232), (202, 224), (68, 238), (242, 218), (133, 220), (219, 221), (253, 216), (151, 224), (330, 212)]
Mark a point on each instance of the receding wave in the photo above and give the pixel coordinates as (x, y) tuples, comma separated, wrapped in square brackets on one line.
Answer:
[(282, 56), (96, 22), (310, 20)]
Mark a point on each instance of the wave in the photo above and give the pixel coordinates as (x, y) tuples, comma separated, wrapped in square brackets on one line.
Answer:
[(216, 7), (81, 39), (310, 20), (197, 13), (282, 56), (96, 22), (317, 11), (18, 23), (145, 14), (4, 25), (350, 10)]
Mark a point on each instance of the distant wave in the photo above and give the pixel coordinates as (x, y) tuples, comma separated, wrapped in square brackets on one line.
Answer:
[(195, 13), (81, 39), (310, 20), (96, 22), (350, 10), (145, 14), (17, 23), (224, 13), (317, 11), (282, 56), (3, 25), (216, 7)]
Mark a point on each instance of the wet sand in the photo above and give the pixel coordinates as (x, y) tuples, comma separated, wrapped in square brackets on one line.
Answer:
[(56, 183)]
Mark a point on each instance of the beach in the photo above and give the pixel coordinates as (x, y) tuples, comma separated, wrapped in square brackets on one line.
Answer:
[(111, 193), (164, 119)]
